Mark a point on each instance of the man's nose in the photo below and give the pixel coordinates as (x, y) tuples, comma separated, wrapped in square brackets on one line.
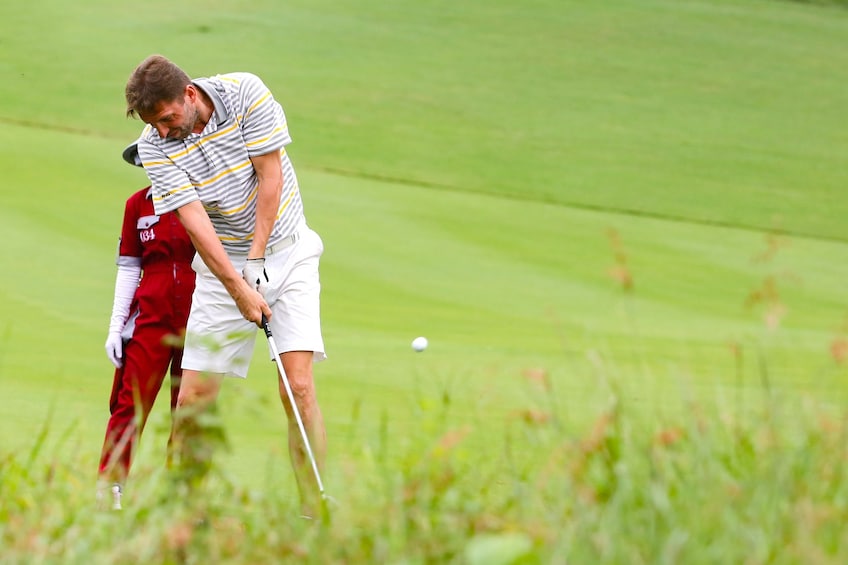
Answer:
[(162, 131)]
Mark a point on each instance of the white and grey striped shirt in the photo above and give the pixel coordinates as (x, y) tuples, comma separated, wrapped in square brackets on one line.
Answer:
[(214, 166)]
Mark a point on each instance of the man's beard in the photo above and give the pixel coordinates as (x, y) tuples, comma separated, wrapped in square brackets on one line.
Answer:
[(185, 131)]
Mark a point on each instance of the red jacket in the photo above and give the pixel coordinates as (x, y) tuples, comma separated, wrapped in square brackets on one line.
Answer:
[(165, 250)]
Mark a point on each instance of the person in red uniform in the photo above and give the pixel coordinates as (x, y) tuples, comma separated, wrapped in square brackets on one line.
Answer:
[(153, 290)]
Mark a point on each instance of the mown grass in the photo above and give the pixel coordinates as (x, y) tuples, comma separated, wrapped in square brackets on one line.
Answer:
[(765, 484), (717, 111), (637, 355)]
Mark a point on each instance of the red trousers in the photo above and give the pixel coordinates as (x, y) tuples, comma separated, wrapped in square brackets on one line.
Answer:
[(155, 347)]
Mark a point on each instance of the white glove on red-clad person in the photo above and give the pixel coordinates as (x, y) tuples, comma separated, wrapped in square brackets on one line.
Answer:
[(115, 349), (126, 283)]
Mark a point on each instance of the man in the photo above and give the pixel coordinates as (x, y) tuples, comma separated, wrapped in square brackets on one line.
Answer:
[(214, 150), (146, 328)]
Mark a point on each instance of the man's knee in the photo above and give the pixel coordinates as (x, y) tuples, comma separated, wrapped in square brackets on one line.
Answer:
[(187, 397), (303, 390), (197, 390)]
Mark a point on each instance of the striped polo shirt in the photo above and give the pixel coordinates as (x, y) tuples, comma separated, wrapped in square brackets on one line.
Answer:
[(214, 166)]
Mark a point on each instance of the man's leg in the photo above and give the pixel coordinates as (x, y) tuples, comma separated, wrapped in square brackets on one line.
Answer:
[(195, 437), (176, 379), (298, 367)]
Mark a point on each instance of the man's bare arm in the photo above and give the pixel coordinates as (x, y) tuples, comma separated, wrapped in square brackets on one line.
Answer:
[(196, 222), (269, 171)]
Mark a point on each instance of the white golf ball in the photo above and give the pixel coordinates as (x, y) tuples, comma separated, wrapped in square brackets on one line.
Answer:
[(419, 343)]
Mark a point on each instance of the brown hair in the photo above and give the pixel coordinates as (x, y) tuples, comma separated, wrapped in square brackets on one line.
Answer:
[(154, 80)]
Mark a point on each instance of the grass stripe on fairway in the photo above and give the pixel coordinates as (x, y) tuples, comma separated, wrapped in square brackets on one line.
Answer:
[(499, 287), (722, 111)]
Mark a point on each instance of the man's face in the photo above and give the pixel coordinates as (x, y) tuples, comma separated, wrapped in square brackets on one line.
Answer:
[(175, 119)]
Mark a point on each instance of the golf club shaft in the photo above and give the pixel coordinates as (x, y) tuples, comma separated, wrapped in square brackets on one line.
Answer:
[(276, 353)]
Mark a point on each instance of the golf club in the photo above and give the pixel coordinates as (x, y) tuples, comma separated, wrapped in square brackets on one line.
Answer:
[(276, 353)]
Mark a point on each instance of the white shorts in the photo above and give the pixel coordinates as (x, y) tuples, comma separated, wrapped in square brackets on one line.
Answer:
[(220, 340)]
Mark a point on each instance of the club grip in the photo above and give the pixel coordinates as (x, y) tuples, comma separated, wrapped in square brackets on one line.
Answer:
[(265, 326)]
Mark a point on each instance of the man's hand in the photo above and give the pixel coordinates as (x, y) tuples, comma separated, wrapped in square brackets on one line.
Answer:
[(251, 304), (115, 349), (255, 275), (242, 288)]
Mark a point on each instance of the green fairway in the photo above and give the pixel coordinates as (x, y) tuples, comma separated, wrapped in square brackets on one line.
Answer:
[(496, 284), (639, 196), (716, 111)]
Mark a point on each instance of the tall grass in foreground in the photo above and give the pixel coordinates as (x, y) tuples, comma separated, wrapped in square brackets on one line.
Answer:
[(713, 487)]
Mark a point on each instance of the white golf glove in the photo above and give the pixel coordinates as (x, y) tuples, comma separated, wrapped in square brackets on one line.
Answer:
[(255, 275), (126, 283), (115, 349)]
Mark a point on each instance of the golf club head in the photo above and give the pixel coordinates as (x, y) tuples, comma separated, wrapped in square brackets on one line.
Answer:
[(328, 504)]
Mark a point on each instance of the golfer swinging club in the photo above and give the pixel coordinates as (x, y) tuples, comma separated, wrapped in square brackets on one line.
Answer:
[(214, 151)]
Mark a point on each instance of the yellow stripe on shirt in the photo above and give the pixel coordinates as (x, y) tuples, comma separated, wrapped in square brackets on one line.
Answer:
[(257, 103), (265, 139)]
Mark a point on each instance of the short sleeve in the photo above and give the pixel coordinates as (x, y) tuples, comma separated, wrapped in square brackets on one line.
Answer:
[(263, 121), (130, 244)]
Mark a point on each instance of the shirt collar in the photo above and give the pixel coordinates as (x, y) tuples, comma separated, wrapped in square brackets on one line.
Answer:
[(208, 88)]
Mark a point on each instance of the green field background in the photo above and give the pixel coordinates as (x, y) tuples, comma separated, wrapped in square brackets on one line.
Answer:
[(481, 173)]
